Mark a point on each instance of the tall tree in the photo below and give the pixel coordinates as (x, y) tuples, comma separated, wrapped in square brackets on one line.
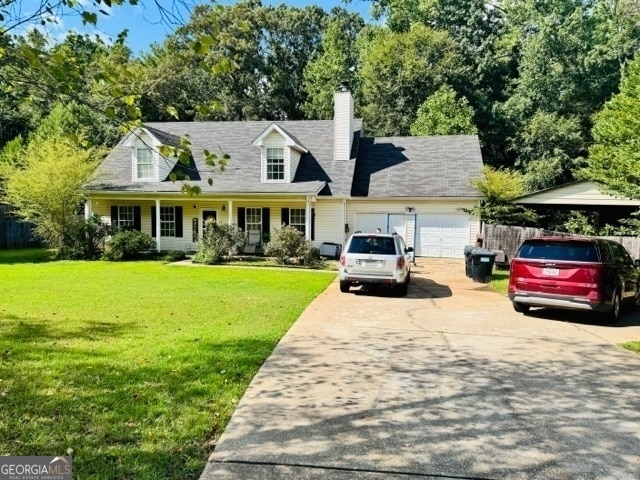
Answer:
[(568, 65), (614, 158), (45, 184), (400, 69), (477, 27), (443, 113), (336, 63)]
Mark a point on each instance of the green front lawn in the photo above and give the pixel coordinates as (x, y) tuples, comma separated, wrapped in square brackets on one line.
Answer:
[(136, 367)]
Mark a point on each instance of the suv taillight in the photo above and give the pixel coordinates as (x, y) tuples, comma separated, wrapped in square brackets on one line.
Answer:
[(400, 263), (342, 260)]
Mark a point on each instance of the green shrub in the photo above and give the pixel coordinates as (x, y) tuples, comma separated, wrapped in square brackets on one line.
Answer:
[(175, 256), (84, 240), (217, 242), (288, 246), (128, 245)]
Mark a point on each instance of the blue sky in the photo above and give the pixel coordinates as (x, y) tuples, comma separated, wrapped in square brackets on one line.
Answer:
[(145, 28)]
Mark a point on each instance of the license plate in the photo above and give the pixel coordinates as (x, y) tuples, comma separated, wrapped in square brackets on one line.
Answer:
[(551, 272), (370, 263)]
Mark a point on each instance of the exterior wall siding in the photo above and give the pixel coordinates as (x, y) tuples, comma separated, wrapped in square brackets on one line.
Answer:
[(294, 160), (329, 223)]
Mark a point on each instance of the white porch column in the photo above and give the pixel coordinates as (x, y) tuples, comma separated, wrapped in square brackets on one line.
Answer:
[(87, 209), (158, 225), (308, 220), (230, 210)]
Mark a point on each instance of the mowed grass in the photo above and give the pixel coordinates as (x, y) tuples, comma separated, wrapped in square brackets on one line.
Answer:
[(136, 367), (500, 281)]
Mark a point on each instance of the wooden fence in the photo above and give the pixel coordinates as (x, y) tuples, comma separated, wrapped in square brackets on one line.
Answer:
[(14, 233), (509, 239)]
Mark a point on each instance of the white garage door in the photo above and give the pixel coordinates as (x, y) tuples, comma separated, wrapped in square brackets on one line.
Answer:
[(442, 235), (368, 222)]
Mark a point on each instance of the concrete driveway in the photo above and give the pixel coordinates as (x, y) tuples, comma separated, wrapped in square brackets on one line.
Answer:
[(447, 383)]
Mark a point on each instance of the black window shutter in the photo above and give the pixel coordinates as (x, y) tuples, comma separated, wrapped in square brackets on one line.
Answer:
[(153, 221), (137, 218), (241, 218), (178, 222), (266, 220), (284, 217), (313, 224), (114, 215)]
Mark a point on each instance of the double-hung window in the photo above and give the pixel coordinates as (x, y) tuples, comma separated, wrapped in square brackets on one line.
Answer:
[(167, 222), (297, 218), (125, 217), (144, 162), (275, 163)]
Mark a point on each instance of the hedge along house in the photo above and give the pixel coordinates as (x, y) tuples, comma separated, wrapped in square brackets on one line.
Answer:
[(321, 176)]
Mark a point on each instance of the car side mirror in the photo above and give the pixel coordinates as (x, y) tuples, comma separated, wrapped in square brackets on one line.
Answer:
[(410, 249), (636, 263)]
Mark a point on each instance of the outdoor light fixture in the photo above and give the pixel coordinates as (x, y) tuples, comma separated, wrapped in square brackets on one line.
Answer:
[(223, 208), (409, 209)]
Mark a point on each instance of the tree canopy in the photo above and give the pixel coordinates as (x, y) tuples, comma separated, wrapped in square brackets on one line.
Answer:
[(614, 158), (532, 78)]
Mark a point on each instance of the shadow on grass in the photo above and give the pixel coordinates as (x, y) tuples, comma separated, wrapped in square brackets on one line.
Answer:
[(149, 416), (26, 255)]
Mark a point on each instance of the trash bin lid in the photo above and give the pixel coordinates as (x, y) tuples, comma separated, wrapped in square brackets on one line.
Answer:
[(483, 252)]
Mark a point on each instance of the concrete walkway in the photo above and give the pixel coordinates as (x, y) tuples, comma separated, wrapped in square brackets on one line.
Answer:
[(447, 383)]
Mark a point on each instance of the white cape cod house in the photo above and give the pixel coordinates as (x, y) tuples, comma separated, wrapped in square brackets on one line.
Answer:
[(322, 176)]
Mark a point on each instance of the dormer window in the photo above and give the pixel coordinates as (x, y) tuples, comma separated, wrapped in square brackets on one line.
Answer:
[(280, 154), (275, 163), (144, 163)]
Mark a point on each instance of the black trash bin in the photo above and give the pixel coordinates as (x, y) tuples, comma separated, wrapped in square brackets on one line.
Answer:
[(482, 264), (467, 259)]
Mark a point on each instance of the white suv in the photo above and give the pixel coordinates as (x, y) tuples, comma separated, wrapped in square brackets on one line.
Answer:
[(375, 258)]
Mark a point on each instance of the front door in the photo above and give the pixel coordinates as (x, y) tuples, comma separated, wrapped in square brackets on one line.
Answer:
[(208, 214)]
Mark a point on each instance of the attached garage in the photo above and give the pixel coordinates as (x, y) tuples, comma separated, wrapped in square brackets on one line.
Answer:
[(442, 235), (435, 234)]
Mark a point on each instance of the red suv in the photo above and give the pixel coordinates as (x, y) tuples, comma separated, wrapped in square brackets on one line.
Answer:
[(573, 273)]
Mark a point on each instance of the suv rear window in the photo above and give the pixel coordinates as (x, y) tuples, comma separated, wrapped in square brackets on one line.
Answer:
[(565, 251), (372, 244)]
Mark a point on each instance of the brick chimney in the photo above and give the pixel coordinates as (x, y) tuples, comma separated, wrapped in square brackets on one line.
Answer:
[(342, 122)]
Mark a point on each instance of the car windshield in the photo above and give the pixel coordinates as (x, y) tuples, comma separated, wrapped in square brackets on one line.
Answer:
[(372, 244), (564, 251)]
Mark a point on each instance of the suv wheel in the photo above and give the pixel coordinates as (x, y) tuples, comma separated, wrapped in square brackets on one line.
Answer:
[(636, 298), (402, 289), (344, 287), (613, 315), (521, 307)]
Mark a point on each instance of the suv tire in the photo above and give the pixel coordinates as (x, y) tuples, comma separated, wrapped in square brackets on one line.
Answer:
[(344, 287), (613, 315), (521, 307), (402, 289)]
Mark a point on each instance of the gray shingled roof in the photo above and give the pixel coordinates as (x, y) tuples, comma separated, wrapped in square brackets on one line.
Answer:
[(439, 166), (317, 169), (385, 167)]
